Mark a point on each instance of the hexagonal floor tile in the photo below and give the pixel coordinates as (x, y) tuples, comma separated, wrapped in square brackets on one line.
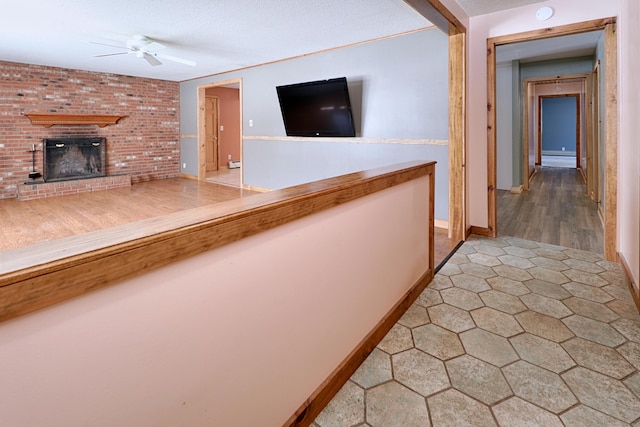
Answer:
[(547, 289), (437, 341), (489, 250), (470, 283), (478, 270), (461, 298), (440, 282), (628, 328), (478, 379), (593, 330), (603, 393), (397, 339), (583, 416), (519, 252), (488, 347), (631, 351), (515, 412), (590, 309), (587, 292), (626, 309), (583, 255), (512, 273), (496, 322), (549, 264), (521, 243), (548, 275), (515, 261), (578, 264), (544, 326), (415, 316), (541, 352), (392, 404), (547, 306), (508, 286), (558, 255), (345, 409), (598, 358), (376, 369), (483, 259), (586, 278), (503, 302), (452, 408), (539, 386), (450, 317), (419, 371), (429, 297)]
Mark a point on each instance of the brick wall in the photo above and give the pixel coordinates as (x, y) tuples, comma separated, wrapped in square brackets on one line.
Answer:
[(144, 145)]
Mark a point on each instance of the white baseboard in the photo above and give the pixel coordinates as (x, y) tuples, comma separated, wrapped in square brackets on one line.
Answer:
[(441, 223), (558, 153), (517, 190)]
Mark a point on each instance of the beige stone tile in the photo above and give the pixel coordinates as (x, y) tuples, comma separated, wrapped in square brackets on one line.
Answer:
[(451, 318), (548, 275), (478, 379), (478, 270), (609, 265), (598, 358), (603, 393), (489, 249), (515, 412), (544, 326), (345, 409), (583, 416), (521, 243), (633, 383), (498, 242), (588, 292), (452, 408), (513, 273), (509, 286), (613, 277), (549, 264), (458, 258), (429, 297), (496, 322), (461, 298), (515, 261), (376, 369), (415, 316), (552, 247), (450, 270), (392, 404), (542, 352), (626, 309), (519, 252), (589, 267), (558, 255), (437, 341), (620, 292), (539, 386), (419, 371), (629, 328), (547, 289), (470, 283), (590, 309), (397, 339), (583, 255), (503, 302), (630, 351), (440, 282), (484, 259), (544, 305), (586, 278), (466, 249), (489, 347), (593, 330)]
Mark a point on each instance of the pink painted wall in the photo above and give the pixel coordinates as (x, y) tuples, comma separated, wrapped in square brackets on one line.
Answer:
[(522, 19), (238, 336)]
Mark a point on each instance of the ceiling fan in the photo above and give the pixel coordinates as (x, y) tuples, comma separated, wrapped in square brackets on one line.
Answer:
[(146, 48)]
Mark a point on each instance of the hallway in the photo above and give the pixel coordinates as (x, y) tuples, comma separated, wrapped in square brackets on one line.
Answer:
[(555, 210), (510, 333)]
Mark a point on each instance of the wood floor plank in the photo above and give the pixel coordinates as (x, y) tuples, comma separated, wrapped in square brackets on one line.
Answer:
[(555, 210)]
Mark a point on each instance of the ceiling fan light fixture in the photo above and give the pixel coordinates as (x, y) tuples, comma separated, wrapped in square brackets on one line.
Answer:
[(544, 13)]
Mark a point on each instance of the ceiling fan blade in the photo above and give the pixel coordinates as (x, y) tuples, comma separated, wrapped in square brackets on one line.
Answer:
[(151, 59), (110, 45), (111, 54), (153, 46), (176, 59)]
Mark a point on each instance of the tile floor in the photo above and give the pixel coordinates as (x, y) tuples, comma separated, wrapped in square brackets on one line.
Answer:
[(509, 333)]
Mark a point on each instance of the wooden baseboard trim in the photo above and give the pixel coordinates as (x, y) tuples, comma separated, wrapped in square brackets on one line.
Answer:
[(481, 231), (516, 190), (188, 176), (312, 407), (628, 278)]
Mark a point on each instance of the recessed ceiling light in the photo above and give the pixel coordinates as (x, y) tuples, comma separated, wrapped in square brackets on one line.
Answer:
[(544, 13)]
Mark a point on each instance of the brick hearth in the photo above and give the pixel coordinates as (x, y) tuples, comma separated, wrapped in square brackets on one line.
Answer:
[(62, 188)]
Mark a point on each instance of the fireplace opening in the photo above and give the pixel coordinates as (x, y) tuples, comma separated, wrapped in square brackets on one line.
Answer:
[(74, 158)]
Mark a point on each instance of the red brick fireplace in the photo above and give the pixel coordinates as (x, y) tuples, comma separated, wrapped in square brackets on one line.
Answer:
[(143, 145)]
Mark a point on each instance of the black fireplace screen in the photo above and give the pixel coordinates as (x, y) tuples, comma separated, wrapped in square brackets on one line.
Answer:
[(74, 158)]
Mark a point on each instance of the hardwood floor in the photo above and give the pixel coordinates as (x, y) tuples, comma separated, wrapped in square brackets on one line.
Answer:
[(26, 223), (555, 210)]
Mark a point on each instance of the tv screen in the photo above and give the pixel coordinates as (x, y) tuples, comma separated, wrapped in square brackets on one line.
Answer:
[(320, 108)]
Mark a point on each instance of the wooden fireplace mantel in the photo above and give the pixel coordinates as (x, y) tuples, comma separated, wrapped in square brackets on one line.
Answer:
[(50, 119)]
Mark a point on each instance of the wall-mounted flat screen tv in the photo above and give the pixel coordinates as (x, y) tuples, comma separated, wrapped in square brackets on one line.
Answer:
[(317, 109)]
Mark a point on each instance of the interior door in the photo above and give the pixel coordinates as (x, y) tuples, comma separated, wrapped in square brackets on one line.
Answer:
[(212, 126)]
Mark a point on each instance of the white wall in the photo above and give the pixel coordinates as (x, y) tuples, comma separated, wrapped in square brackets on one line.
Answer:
[(238, 336), (504, 136)]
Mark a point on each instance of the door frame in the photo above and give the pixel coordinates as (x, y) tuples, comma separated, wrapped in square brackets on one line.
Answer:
[(201, 137), (611, 119)]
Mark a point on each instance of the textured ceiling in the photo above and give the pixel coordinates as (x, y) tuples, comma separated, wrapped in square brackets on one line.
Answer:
[(482, 7), (219, 35), (576, 45)]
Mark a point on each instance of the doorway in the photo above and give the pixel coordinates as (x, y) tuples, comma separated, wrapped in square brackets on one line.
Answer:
[(559, 131), (610, 123), (220, 130)]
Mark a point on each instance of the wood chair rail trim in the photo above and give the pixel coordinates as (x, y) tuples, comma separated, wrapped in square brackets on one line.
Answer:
[(72, 266)]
